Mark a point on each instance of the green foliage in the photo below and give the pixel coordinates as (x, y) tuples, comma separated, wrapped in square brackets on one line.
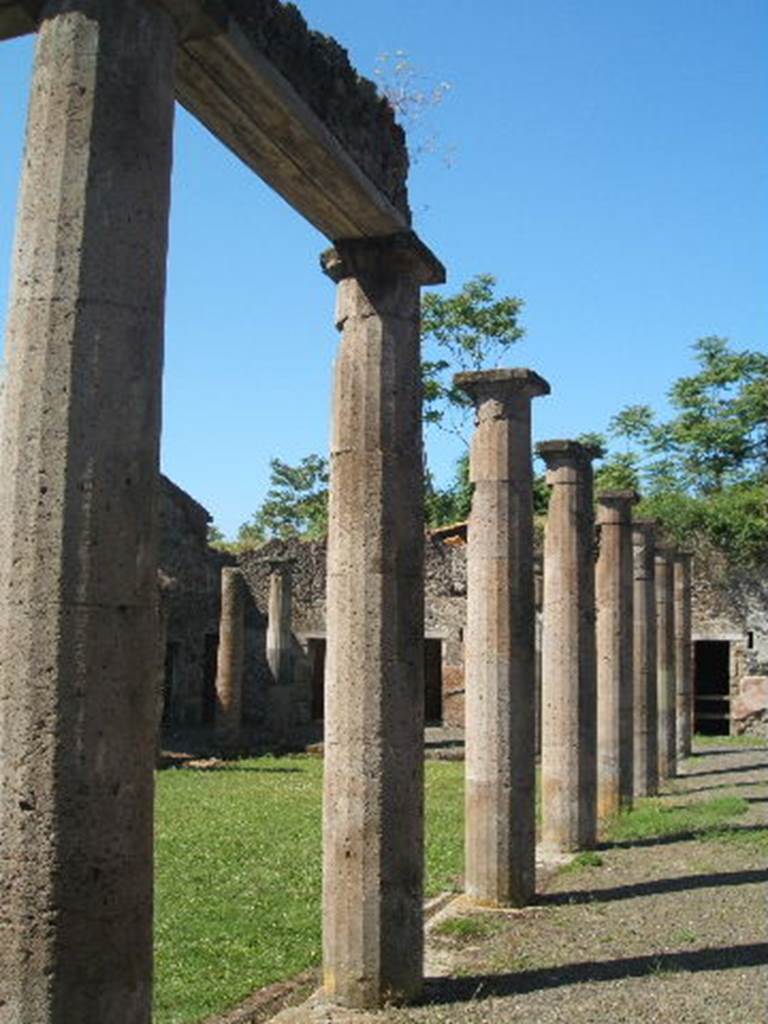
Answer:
[(452, 504), (703, 472), (585, 859), (471, 330), (296, 504), (238, 871), (653, 818), (464, 929)]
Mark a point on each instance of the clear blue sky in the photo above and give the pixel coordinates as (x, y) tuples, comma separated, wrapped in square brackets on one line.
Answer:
[(611, 166)]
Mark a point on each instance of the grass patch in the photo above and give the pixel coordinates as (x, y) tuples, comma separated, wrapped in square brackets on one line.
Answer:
[(651, 819), (238, 874), (464, 929), (729, 741), (585, 859), (755, 838)]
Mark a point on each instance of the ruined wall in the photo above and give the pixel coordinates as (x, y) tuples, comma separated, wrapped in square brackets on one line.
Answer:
[(319, 70), (191, 596), (731, 603)]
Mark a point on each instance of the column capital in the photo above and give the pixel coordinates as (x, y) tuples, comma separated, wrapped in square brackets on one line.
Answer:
[(387, 255), (615, 507), (684, 557), (501, 384), (567, 460), (665, 552), (281, 566)]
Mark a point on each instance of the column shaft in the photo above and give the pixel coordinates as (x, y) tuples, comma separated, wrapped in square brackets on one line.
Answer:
[(666, 683), (683, 652), (613, 584), (500, 823), (646, 730), (78, 518), (373, 779), (569, 696), (229, 660)]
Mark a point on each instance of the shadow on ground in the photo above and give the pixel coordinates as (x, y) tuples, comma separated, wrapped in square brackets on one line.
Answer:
[(481, 986), (655, 887)]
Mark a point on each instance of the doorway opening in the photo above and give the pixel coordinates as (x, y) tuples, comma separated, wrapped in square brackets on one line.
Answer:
[(433, 681), (316, 651), (712, 687), (208, 708)]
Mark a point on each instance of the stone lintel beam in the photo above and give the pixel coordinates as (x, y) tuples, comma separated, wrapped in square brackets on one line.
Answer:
[(614, 586), (500, 833), (194, 19)]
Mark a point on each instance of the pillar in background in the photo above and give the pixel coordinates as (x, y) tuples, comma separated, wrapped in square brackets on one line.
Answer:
[(229, 660), (280, 694), (569, 695), (500, 799), (78, 518), (666, 679), (646, 729), (373, 817), (613, 596), (683, 652)]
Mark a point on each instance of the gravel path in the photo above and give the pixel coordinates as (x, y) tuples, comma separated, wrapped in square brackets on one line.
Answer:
[(669, 931)]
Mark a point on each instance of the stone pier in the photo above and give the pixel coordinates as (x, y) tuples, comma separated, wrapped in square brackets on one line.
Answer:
[(500, 821), (614, 599), (646, 731), (280, 646), (683, 652), (229, 661), (78, 518), (666, 679), (373, 781), (569, 693)]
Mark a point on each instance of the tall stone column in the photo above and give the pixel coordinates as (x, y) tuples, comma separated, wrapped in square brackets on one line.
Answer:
[(569, 691), (280, 648), (666, 680), (78, 518), (373, 780), (613, 595), (500, 821), (229, 660), (683, 652), (646, 730)]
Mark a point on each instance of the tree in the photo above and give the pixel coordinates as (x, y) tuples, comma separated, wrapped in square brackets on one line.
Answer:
[(296, 504), (473, 329), (704, 471)]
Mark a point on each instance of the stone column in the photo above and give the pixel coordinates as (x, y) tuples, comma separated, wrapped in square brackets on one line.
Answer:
[(613, 595), (646, 730), (569, 694), (280, 648), (666, 682), (229, 660), (373, 779), (78, 518), (500, 823), (683, 651)]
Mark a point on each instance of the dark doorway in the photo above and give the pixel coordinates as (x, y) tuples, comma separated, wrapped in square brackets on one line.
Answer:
[(316, 651), (208, 710), (433, 681), (711, 687)]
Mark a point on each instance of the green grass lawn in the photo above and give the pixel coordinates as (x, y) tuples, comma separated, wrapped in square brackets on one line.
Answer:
[(238, 875)]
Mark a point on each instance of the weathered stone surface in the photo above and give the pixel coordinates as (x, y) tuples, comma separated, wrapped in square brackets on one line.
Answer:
[(280, 646), (646, 743), (614, 599), (749, 711), (373, 789), (500, 825), (666, 682), (569, 696), (681, 575), (78, 555), (229, 662)]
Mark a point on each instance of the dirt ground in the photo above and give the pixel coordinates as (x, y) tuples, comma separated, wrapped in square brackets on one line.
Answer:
[(671, 930)]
